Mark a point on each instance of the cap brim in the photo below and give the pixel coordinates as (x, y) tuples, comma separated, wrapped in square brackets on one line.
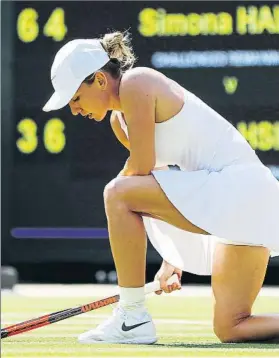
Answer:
[(56, 102)]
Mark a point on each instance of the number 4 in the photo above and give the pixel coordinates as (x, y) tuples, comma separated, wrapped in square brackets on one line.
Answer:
[(55, 26)]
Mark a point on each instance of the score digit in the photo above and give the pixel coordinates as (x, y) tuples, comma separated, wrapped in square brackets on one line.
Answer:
[(55, 26), (27, 26), (266, 138), (54, 137), (263, 136), (249, 132), (276, 136), (29, 141)]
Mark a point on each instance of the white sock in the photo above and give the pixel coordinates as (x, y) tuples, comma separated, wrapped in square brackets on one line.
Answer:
[(131, 298)]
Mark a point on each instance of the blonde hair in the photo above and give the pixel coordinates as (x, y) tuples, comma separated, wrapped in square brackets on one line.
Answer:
[(118, 46)]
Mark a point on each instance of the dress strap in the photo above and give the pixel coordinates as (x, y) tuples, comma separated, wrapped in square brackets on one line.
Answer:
[(122, 122)]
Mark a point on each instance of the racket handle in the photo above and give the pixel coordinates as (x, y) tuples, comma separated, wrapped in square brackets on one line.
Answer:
[(155, 285)]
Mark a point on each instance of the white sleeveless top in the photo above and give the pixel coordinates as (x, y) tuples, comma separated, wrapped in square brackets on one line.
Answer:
[(222, 187), (198, 138)]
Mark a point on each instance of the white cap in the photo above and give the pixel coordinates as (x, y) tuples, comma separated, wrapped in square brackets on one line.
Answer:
[(76, 60)]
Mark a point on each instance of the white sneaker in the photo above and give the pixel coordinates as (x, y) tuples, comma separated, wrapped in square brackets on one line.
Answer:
[(125, 326)]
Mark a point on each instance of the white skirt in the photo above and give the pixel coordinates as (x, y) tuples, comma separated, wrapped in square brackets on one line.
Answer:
[(238, 205)]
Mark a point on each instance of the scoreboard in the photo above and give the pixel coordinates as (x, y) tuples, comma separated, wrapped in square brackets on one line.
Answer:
[(55, 166)]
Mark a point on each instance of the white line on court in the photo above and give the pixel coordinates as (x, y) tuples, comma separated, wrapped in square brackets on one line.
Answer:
[(74, 335), (141, 349), (165, 356), (96, 290), (6, 319)]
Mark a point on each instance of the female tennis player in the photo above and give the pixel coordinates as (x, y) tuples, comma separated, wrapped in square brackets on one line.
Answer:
[(217, 215)]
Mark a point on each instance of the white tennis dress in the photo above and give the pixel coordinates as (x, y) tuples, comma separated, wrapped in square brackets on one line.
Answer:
[(221, 187)]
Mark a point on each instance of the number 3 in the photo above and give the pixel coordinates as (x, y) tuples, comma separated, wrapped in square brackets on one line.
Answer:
[(29, 140)]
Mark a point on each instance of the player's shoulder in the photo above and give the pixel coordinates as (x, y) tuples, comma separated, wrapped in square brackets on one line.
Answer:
[(140, 71), (139, 78)]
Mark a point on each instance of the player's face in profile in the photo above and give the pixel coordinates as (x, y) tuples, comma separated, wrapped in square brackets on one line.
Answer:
[(92, 100)]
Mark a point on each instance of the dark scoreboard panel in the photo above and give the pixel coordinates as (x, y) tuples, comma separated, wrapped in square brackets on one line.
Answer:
[(57, 165)]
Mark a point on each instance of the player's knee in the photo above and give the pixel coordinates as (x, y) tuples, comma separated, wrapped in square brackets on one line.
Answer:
[(225, 334), (226, 327), (111, 194), (114, 194)]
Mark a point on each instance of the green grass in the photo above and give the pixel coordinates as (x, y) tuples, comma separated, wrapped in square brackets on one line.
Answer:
[(183, 326)]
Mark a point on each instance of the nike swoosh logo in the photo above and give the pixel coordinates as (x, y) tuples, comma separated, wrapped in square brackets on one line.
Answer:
[(128, 328)]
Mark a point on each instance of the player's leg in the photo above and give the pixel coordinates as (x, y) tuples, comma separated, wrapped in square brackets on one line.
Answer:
[(126, 198), (237, 277)]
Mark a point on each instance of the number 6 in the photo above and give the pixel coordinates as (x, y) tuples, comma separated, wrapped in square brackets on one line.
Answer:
[(54, 137), (27, 26)]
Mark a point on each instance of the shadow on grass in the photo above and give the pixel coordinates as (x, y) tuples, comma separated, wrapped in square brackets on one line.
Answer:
[(219, 345)]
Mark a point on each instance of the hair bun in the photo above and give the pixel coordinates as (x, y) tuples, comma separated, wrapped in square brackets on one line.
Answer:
[(118, 46)]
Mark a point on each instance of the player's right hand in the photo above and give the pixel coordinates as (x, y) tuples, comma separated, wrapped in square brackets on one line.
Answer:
[(165, 272)]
